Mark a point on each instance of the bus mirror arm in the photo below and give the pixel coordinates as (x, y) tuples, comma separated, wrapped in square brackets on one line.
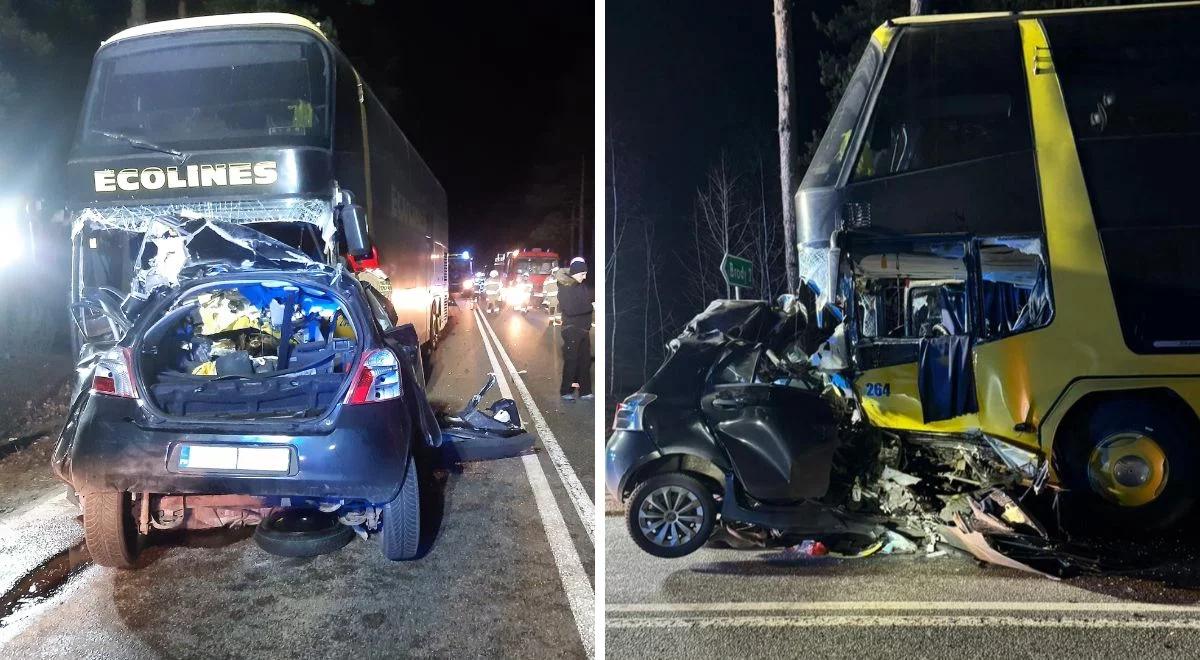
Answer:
[(354, 228)]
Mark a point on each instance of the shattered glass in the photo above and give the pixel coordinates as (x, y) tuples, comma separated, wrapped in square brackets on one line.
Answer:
[(140, 217), (178, 245)]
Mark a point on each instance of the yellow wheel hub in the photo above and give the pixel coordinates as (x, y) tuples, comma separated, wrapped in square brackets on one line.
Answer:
[(1128, 469)]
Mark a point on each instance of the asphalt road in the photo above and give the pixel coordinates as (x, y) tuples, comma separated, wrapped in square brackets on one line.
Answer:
[(510, 572), (765, 603)]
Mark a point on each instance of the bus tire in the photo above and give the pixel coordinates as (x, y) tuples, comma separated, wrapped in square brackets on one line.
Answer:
[(433, 330), (1129, 467)]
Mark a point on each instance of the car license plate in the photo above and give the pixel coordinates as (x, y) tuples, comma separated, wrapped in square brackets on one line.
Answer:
[(251, 459)]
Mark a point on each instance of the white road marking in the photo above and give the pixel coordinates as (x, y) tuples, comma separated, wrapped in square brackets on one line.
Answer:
[(900, 605), (580, 596), (913, 621), (580, 498)]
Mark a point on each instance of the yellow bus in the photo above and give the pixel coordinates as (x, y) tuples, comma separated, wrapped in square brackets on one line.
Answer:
[(1002, 205)]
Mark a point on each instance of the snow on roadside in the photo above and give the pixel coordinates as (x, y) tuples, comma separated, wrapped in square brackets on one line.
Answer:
[(34, 535)]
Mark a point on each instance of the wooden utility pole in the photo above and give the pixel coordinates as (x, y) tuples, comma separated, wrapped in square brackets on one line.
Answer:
[(787, 145), (137, 12)]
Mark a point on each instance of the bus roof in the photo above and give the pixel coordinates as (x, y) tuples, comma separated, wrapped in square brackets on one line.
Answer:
[(224, 20), (991, 15)]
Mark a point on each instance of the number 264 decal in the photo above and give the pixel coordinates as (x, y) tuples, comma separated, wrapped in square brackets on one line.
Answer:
[(879, 389)]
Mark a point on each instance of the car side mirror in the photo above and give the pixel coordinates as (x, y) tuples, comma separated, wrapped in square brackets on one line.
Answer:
[(354, 226)]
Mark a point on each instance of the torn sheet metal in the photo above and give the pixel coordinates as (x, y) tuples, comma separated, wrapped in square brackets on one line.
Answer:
[(187, 245), (961, 536)]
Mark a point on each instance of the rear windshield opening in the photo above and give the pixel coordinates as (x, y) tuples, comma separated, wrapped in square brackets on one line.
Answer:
[(240, 351)]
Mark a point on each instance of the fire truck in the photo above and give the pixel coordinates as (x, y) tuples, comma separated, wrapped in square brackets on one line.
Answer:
[(536, 263)]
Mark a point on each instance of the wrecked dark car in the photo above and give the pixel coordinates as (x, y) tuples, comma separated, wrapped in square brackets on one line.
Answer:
[(249, 385), (742, 430)]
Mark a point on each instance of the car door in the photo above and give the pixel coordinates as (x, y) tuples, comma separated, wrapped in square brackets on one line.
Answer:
[(780, 439)]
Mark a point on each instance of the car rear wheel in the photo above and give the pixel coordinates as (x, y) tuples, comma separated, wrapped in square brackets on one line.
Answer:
[(1130, 468), (296, 532), (401, 537), (109, 529), (670, 515)]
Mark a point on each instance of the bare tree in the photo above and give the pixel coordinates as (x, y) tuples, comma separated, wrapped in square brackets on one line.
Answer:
[(787, 145), (722, 224), (769, 246)]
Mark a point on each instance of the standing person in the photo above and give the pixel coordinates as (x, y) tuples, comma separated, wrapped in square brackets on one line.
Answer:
[(522, 293), (550, 295), (575, 298), (477, 288), (492, 288)]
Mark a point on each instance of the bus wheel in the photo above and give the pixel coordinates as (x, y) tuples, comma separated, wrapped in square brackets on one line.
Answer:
[(433, 331), (1129, 468)]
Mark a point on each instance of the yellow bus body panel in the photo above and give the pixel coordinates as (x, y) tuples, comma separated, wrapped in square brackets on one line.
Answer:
[(1034, 377)]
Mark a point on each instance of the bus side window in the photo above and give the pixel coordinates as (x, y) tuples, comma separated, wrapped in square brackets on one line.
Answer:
[(916, 294), (1015, 288)]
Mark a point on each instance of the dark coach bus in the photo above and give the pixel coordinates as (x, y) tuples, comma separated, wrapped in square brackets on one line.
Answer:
[(256, 119)]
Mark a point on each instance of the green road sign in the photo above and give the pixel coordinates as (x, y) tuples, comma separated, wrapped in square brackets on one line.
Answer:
[(737, 271)]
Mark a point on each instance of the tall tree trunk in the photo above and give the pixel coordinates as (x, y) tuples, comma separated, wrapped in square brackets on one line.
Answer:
[(137, 12), (182, 7), (920, 7), (787, 145), (610, 280), (764, 246), (648, 237)]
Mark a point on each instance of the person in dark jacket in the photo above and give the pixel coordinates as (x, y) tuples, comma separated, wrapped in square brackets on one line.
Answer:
[(575, 306)]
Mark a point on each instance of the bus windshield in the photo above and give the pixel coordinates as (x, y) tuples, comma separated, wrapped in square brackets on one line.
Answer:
[(831, 152), (209, 90)]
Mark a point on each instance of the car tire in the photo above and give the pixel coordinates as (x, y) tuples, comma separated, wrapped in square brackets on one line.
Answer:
[(276, 535), (109, 529), (1090, 508), (401, 537), (674, 492)]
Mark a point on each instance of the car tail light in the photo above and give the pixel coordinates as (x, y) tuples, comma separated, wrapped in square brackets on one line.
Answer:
[(113, 375), (376, 379), (629, 412)]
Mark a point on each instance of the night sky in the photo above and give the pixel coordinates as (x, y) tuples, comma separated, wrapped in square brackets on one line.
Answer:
[(688, 78), (499, 98)]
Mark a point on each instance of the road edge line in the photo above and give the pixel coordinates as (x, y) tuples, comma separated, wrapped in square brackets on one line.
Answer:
[(701, 608), (580, 499), (894, 621), (580, 596)]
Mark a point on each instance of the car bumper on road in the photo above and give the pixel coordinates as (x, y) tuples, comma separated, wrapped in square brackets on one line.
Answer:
[(109, 446), (625, 452)]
